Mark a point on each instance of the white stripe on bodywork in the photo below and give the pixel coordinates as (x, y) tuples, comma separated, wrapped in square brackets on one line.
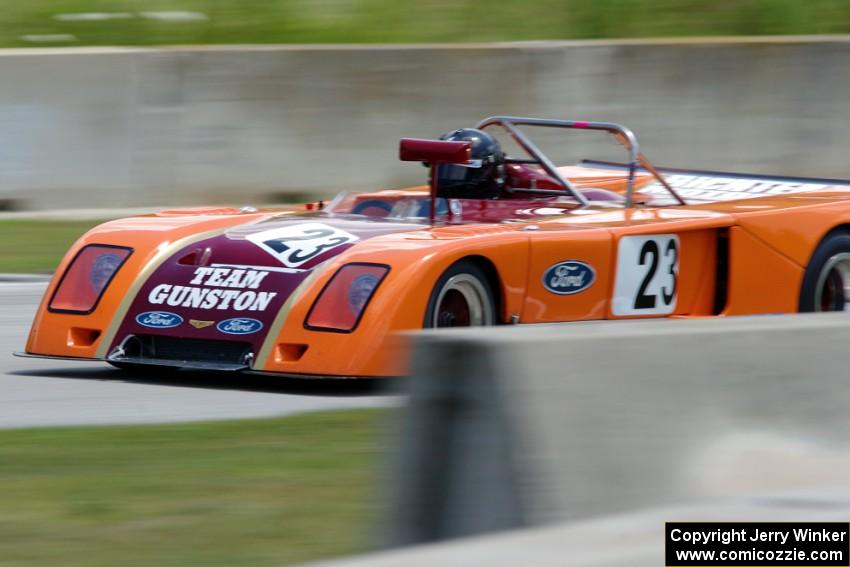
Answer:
[(263, 268), (712, 188)]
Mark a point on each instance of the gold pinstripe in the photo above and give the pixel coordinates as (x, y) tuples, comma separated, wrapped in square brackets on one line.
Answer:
[(280, 319), (161, 256)]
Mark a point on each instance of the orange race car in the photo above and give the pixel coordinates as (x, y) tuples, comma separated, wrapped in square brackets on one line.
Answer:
[(319, 291)]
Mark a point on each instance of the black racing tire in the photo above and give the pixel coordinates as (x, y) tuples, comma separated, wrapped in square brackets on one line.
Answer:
[(462, 297), (827, 275)]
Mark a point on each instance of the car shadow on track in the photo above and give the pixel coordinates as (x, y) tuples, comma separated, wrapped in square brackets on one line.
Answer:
[(230, 381)]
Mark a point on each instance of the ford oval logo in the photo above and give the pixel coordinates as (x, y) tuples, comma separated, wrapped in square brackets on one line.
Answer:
[(566, 278), (159, 319), (239, 326)]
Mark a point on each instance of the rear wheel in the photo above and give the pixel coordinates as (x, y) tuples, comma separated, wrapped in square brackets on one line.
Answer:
[(462, 297), (826, 283)]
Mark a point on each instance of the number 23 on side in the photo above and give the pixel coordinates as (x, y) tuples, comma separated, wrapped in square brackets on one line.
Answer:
[(647, 275)]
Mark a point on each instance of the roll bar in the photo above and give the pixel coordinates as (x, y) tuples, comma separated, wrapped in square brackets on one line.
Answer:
[(621, 133)]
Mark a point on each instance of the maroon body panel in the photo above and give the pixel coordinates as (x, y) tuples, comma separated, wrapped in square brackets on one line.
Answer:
[(239, 277)]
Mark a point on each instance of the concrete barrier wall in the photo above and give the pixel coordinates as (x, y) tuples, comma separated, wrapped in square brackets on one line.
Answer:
[(132, 127), (635, 539), (521, 426)]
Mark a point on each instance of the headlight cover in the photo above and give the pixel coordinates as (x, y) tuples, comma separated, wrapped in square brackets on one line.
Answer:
[(90, 273), (342, 302)]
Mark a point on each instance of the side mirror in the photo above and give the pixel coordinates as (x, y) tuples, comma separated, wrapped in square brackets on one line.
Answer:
[(434, 151)]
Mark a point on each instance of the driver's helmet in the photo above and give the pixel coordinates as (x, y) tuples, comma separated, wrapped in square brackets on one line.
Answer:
[(483, 177)]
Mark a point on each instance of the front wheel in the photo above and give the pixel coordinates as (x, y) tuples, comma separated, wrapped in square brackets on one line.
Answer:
[(826, 283), (462, 297)]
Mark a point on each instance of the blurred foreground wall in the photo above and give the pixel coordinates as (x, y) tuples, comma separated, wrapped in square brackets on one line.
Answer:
[(526, 425), (125, 127)]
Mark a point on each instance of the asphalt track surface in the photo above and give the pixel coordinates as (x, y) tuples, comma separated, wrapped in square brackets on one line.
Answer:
[(35, 393)]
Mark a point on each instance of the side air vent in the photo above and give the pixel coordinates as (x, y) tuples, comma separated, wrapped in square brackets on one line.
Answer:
[(721, 272)]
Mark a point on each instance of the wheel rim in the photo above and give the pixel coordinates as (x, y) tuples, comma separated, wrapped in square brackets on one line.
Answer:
[(463, 302), (832, 292)]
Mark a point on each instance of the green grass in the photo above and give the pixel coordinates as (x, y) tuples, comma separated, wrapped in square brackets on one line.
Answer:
[(375, 21), (254, 492), (30, 246)]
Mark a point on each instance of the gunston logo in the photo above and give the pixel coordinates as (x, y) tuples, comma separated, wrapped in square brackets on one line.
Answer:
[(159, 319), (567, 278), (239, 326), (223, 288)]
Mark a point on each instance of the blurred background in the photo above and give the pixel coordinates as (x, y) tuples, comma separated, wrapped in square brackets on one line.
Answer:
[(113, 106), (141, 22), (255, 102)]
